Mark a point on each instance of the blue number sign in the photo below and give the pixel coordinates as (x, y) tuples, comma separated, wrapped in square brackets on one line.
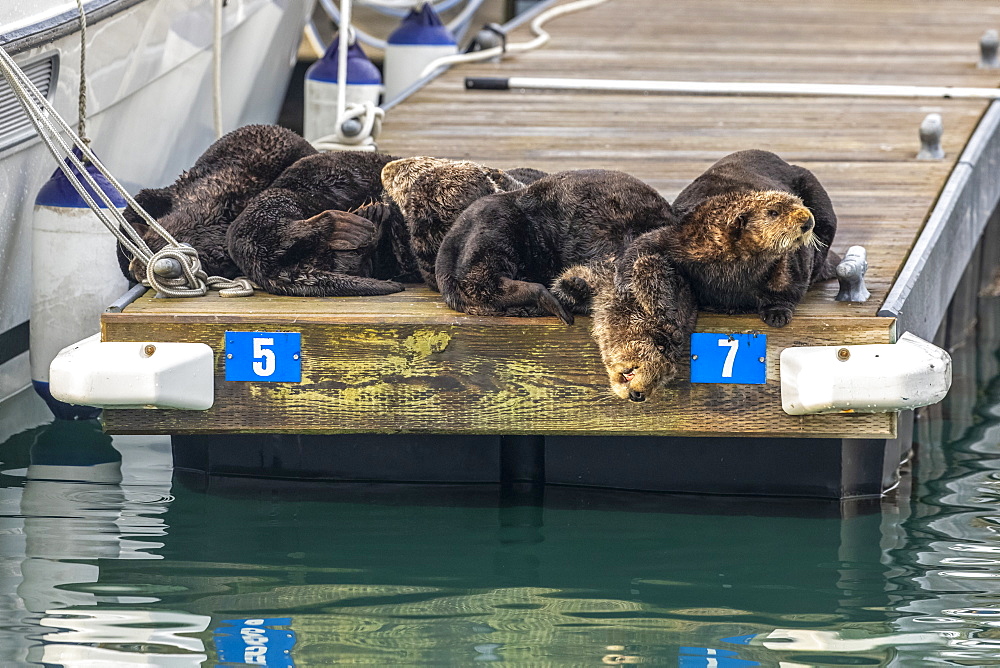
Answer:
[(729, 358), (252, 641), (274, 357)]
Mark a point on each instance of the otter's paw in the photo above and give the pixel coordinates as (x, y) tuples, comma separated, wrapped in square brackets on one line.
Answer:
[(776, 316), (638, 372), (573, 292)]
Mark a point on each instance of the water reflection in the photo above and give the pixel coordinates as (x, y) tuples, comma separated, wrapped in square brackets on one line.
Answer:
[(74, 510)]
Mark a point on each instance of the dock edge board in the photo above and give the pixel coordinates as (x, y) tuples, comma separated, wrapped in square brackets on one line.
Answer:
[(921, 293), (449, 373)]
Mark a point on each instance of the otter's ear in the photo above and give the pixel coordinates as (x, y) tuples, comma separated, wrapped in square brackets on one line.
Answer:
[(156, 201)]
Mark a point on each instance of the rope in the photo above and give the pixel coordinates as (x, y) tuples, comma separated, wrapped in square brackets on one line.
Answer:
[(541, 38), (365, 117), (216, 68), (370, 119), (51, 128), (82, 100)]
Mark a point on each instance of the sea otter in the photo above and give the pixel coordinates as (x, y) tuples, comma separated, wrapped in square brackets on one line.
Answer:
[(297, 237), (199, 206), (504, 248), (642, 332), (432, 192), (753, 233)]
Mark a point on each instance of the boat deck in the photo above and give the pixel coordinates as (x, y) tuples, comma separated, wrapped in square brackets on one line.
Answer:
[(406, 363)]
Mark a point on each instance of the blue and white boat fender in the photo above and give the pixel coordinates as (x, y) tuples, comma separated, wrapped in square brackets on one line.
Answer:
[(364, 84), (872, 378), (419, 39), (75, 274)]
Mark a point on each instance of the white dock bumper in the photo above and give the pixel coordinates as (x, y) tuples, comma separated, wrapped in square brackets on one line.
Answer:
[(134, 375), (874, 378)]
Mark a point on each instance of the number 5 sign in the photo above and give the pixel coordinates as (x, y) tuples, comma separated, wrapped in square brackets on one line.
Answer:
[(729, 358), (274, 357)]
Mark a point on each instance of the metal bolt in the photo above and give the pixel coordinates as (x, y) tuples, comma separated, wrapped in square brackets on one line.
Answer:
[(931, 130), (843, 354), (295, 356), (351, 127), (694, 357), (760, 359), (229, 356), (168, 267), (148, 350)]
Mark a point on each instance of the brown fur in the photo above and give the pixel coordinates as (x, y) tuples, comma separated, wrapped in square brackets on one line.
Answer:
[(329, 254), (296, 237), (643, 330), (431, 193), (198, 208), (502, 251), (753, 235)]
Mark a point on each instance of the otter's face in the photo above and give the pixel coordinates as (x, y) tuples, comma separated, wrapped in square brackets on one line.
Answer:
[(398, 176), (754, 224)]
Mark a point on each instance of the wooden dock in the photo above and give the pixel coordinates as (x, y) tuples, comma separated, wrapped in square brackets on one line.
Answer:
[(406, 363)]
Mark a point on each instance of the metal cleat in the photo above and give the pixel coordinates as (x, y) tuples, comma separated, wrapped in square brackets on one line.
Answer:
[(988, 44), (851, 274), (931, 130)]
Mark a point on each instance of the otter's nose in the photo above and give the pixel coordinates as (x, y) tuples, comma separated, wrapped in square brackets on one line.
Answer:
[(808, 223), (636, 396)]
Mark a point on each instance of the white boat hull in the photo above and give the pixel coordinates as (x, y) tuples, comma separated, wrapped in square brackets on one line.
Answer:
[(150, 110)]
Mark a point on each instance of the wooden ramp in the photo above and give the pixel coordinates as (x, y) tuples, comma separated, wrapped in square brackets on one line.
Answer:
[(406, 363)]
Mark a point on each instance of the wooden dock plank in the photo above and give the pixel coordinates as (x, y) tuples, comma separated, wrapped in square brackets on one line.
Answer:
[(411, 366)]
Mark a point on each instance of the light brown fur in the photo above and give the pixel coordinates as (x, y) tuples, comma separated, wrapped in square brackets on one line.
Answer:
[(431, 193), (643, 333), (771, 226)]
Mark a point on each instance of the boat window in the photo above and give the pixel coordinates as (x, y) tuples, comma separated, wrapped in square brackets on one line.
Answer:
[(15, 126)]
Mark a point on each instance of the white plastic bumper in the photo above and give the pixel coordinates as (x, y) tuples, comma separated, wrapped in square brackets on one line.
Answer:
[(875, 378), (134, 375)]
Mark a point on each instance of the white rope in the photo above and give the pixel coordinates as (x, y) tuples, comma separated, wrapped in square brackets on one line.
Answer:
[(370, 118), (541, 38), (217, 69), (51, 128), (41, 114), (82, 99), (343, 43)]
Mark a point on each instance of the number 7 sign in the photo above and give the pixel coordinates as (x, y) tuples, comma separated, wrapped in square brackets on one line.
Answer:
[(729, 358)]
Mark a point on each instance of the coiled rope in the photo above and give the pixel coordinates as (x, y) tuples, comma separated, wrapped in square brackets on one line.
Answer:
[(174, 271)]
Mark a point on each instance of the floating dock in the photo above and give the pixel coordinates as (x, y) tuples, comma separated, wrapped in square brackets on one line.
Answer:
[(407, 364)]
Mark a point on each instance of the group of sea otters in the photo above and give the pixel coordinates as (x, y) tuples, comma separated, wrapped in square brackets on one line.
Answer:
[(750, 235)]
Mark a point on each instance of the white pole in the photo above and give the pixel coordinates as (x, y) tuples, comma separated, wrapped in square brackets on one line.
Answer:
[(217, 68), (344, 36), (730, 88)]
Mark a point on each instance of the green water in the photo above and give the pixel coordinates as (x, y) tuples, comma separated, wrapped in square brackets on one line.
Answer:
[(107, 559)]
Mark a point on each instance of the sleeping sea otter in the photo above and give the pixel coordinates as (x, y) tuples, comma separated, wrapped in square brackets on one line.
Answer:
[(505, 248), (199, 206)]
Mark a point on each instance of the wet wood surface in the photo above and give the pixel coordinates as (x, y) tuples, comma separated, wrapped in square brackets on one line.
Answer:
[(402, 363)]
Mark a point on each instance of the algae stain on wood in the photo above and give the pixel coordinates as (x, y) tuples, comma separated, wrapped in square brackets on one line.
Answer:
[(425, 342)]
